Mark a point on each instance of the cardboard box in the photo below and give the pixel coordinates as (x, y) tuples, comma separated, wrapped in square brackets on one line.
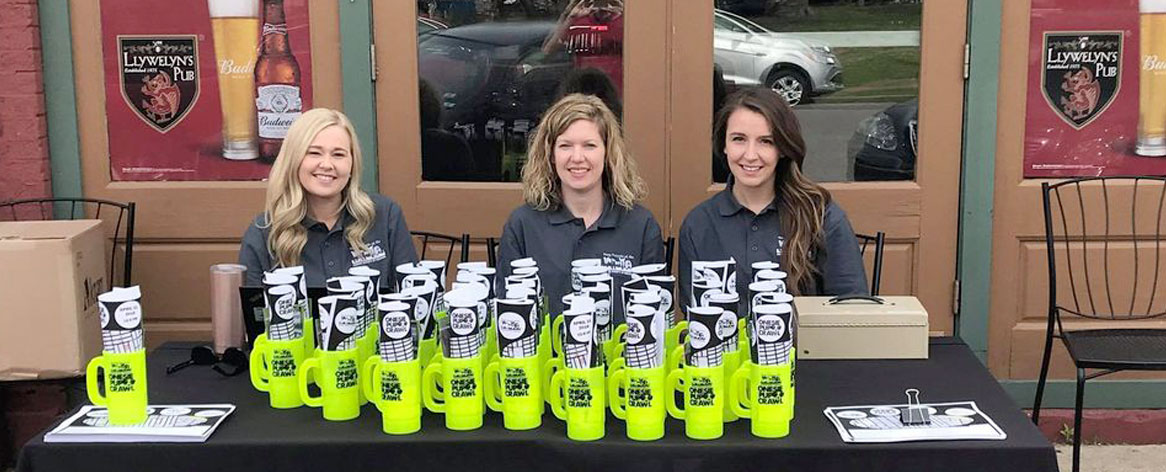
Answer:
[(49, 321), (861, 329)]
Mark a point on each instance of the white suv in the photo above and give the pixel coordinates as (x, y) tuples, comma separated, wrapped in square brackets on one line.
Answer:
[(749, 54)]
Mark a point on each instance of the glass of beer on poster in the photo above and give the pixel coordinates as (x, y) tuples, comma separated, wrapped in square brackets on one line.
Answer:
[(236, 34)]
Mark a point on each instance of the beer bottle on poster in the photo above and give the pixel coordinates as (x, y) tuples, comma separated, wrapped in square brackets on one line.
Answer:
[(277, 82)]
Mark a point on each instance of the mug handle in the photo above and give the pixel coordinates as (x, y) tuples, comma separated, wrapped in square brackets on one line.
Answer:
[(492, 385), (672, 384), (555, 395), (549, 370), (258, 366), (370, 376), (429, 385), (676, 358), (738, 388), (556, 338), (303, 376), (613, 387), (617, 347), (680, 329), (95, 395)]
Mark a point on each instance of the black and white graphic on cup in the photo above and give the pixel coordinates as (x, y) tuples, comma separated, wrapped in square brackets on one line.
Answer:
[(121, 320), (398, 333), (339, 317), (727, 330), (772, 339), (699, 336), (463, 321), (582, 329), (517, 329), (770, 329)]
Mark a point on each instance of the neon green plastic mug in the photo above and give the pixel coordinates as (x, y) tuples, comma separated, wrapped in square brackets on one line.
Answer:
[(514, 387), (125, 386), (704, 398), (339, 386), (395, 388), (762, 394), (642, 405), (273, 367), (577, 397), (461, 397)]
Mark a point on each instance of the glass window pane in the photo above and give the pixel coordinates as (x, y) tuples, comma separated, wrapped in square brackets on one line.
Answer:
[(489, 68), (849, 68)]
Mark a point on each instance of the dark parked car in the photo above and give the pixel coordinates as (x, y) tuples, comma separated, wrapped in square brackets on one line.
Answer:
[(493, 80), (884, 146)]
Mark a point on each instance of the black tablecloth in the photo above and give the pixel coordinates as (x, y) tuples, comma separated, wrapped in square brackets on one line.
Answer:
[(258, 438)]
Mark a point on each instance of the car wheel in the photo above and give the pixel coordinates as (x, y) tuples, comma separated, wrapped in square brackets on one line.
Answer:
[(790, 84)]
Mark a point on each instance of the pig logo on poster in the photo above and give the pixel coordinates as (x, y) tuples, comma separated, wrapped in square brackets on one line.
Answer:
[(1081, 73), (159, 77)]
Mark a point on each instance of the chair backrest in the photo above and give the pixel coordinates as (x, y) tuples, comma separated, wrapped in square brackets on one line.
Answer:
[(669, 250), (1103, 241), (118, 215), (865, 240), (492, 251), (463, 241)]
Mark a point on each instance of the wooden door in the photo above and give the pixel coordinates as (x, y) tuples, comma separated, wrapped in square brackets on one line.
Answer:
[(182, 227), (920, 217)]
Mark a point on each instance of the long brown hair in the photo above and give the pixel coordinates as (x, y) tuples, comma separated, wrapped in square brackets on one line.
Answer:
[(801, 203), (541, 187)]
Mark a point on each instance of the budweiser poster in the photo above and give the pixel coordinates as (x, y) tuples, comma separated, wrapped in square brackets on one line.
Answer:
[(202, 90), (1096, 102)]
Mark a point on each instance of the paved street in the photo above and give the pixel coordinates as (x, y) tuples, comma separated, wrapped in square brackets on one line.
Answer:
[(827, 129)]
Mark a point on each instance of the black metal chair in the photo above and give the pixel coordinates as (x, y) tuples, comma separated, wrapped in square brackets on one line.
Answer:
[(463, 241), (492, 252), (878, 239), (669, 250), (1110, 248), (42, 209)]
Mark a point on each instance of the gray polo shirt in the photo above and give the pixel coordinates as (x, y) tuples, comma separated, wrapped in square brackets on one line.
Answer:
[(327, 254), (622, 238), (720, 228)]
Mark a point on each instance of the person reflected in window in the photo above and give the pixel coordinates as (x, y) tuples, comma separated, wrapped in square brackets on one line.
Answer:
[(592, 81), (582, 200), (592, 32), (315, 213), (444, 155), (770, 211)]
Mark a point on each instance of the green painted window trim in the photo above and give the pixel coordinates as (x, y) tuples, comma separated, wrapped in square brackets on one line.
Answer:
[(356, 79), (60, 100), (978, 175)]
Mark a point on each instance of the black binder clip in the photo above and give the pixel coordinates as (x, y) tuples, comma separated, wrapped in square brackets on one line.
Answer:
[(914, 414)]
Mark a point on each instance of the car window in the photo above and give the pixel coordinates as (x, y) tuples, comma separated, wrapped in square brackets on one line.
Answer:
[(725, 24)]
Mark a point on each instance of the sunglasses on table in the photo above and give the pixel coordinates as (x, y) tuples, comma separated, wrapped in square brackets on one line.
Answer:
[(233, 357)]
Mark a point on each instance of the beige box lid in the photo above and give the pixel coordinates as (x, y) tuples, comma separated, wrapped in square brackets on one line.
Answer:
[(828, 311)]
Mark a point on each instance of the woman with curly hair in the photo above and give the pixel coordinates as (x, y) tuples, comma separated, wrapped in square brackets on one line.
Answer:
[(582, 196)]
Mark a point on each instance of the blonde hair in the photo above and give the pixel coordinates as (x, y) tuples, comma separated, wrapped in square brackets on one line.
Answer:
[(801, 203), (541, 187), (286, 206)]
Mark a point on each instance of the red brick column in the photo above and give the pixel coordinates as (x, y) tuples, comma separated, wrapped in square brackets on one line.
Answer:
[(24, 156)]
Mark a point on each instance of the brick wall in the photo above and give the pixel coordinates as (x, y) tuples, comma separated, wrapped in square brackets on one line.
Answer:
[(24, 155)]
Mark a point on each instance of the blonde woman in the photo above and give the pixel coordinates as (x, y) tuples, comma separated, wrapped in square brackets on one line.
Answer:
[(582, 198), (770, 211), (316, 215)]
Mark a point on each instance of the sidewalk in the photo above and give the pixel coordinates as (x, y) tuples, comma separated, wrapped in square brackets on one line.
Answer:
[(1118, 458)]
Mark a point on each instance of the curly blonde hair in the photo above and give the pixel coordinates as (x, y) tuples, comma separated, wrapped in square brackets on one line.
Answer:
[(541, 187), (286, 206)]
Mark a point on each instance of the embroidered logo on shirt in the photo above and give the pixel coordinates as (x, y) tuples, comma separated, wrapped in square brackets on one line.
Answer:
[(618, 263), (373, 253)]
